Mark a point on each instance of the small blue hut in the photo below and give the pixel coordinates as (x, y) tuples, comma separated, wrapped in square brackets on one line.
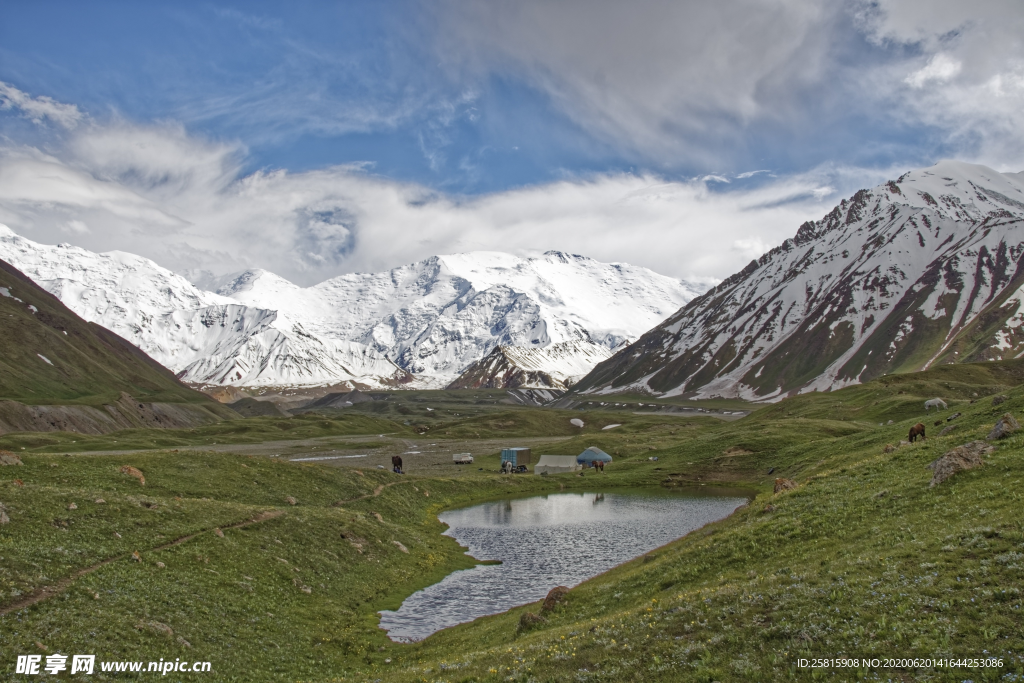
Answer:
[(593, 454)]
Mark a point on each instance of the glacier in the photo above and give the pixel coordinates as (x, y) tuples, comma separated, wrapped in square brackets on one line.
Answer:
[(416, 326)]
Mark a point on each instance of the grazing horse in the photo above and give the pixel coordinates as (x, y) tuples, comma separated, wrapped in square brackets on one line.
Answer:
[(936, 403), (396, 464), (916, 431)]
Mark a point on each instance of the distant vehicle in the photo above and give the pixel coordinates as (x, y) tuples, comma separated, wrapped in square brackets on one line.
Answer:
[(462, 459)]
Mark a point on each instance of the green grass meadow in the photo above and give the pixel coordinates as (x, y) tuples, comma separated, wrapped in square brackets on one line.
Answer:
[(862, 559)]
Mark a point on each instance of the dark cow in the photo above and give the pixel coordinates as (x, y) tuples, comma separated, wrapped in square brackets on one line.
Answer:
[(916, 431), (396, 464)]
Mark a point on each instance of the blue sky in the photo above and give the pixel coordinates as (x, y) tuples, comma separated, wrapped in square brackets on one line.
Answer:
[(462, 106)]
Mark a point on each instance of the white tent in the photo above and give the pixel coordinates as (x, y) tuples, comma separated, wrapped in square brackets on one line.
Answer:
[(556, 464)]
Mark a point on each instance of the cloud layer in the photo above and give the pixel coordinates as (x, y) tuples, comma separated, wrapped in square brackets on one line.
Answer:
[(185, 202)]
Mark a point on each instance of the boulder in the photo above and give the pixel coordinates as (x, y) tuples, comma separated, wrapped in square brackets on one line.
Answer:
[(784, 485), (528, 620), (8, 458), (947, 430), (1006, 426), (996, 400), (889, 448), (554, 596), (965, 457)]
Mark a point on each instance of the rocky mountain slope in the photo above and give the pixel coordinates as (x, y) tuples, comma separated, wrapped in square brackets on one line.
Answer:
[(419, 325), (921, 270), (59, 372)]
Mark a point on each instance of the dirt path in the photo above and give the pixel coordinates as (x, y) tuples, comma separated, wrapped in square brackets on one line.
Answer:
[(47, 592), (376, 492)]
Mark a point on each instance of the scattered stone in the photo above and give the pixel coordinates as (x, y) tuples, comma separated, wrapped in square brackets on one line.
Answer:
[(95, 596), (8, 458), (19, 482), (100, 501), (882, 494), (183, 642), (769, 508), (219, 533), (377, 515), (528, 620), (117, 535), (291, 500), (965, 457), (948, 429), (889, 448), (41, 646), (134, 472), (950, 418), (890, 421), (72, 506), (136, 556), (784, 485), (939, 422), (161, 565), (996, 400), (401, 547), (306, 589), (1006, 426), (155, 627), (4, 519), (554, 596)]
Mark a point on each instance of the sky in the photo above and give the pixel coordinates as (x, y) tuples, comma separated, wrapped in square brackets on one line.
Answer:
[(314, 138)]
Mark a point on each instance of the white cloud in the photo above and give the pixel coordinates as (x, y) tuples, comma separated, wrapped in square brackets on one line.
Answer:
[(37, 109), (183, 201), (940, 67)]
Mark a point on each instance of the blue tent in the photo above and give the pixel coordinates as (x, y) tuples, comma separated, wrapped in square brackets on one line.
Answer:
[(592, 455)]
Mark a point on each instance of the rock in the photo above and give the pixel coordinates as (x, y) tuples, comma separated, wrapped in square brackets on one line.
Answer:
[(19, 482), (72, 506), (528, 620), (219, 533), (306, 589), (117, 535), (161, 565), (939, 422), (996, 400), (8, 458), (133, 472), (554, 597), (1006, 426), (949, 419), (136, 556), (890, 421), (377, 515), (4, 519), (784, 485), (965, 457), (889, 448), (947, 430), (100, 501), (401, 547), (291, 501), (768, 508), (183, 642)]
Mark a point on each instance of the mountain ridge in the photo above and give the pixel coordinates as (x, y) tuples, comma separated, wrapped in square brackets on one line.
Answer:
[(419, 325), (916, 271)]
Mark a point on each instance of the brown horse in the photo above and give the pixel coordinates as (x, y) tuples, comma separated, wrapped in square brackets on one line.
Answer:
[(916, 431)]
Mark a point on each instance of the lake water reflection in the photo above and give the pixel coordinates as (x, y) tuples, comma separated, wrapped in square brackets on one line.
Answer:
[(546, 541)]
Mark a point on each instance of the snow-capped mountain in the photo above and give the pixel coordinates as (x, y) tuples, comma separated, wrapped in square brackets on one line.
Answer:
[(417, 325), (921, 270), (557, 366)]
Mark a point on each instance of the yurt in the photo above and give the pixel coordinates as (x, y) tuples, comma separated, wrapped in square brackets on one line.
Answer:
[(556, 464), (593, 454)]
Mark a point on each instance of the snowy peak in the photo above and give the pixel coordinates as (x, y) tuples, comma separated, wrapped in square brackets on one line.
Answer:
[(418, 325), (920, 270)]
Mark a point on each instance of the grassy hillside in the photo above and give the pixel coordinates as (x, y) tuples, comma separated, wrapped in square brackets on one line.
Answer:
[(48, 355), (862, 558)]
